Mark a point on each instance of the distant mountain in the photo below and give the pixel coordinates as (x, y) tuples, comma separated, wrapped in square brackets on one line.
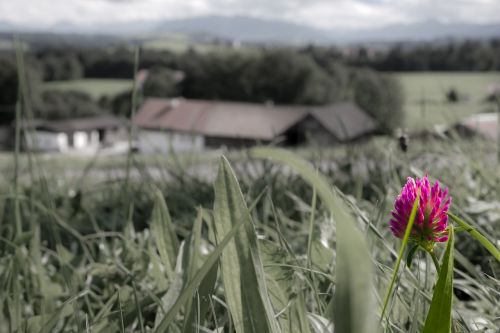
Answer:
[(5, 26), (11, 27), (250, 29), (246, 29), (421, 31)]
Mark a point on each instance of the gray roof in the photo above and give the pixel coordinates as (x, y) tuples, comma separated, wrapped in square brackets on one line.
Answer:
[(78, 124), (217, 119), (345, 121), (254, 121)]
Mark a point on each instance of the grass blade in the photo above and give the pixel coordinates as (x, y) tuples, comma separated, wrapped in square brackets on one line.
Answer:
[(63, 311), (353, 296), (401, 252), (201, 301), (439, 315), (165, 237), (241, 265), (138, 309), (199, 304), (200, 275), (282, 286), (477, 236)]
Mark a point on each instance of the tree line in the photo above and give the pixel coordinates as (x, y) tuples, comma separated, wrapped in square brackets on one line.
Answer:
[(466, 55), (279, 75)]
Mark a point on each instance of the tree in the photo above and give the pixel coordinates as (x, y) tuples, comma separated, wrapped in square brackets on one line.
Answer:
[(65, 104), (118, 63), (8, 82), (286, 77), (121, 104), (381, 96), (161, 82)]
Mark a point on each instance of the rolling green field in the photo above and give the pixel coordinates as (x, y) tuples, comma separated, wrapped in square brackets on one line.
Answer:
[(425, 94), (96, 88), (178, 44)]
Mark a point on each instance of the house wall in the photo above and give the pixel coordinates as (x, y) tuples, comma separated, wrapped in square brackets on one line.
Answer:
[(93, 139), (150, 141), (83, 140), (46, 141), (309, 131), (43, 140), (112, 136), (79, 140), (63, 142)]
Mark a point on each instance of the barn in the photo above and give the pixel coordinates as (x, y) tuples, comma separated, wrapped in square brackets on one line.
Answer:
[(330, 124), (182, 124)]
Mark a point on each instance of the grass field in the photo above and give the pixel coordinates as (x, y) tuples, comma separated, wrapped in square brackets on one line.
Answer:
[(96, 88), (154, 254), (177, 44), (181, 43), (425, 94)]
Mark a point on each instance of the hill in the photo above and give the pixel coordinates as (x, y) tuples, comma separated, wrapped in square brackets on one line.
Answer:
[(247, 29), (420, 31), (258, 30)]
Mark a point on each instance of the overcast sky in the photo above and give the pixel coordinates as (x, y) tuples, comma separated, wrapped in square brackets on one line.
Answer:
[(318, 13)]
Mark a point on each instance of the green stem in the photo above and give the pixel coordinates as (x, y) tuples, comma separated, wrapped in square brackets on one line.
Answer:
[(18, 138), (131, 130), (435, 260), (400, 256), (311, 229)]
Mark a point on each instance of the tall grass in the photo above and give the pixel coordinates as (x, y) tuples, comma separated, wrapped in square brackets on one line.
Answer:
[(254, 235), (273, 242)]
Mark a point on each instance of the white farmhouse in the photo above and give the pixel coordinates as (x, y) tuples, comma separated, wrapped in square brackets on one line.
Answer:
[(73, 135), (162, 131)]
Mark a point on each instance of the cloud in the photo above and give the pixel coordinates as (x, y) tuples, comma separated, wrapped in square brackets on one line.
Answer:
[(319, 13)]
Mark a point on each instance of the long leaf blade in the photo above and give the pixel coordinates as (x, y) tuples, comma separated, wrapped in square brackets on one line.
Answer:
[(241, 266), (201, 274), (165, 237), (439, 315), (353, 297), (477, 236)]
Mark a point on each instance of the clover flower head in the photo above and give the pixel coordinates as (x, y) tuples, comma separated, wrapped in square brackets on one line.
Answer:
[(431, 221)]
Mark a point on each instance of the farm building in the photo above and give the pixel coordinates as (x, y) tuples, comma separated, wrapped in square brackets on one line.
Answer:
[(73, 135), (330, 124), (181, 124), (485, 125)]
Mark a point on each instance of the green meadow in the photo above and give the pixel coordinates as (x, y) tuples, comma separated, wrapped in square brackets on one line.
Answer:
[(425, 96), (95, 88), (267, 241), (177, 44)]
